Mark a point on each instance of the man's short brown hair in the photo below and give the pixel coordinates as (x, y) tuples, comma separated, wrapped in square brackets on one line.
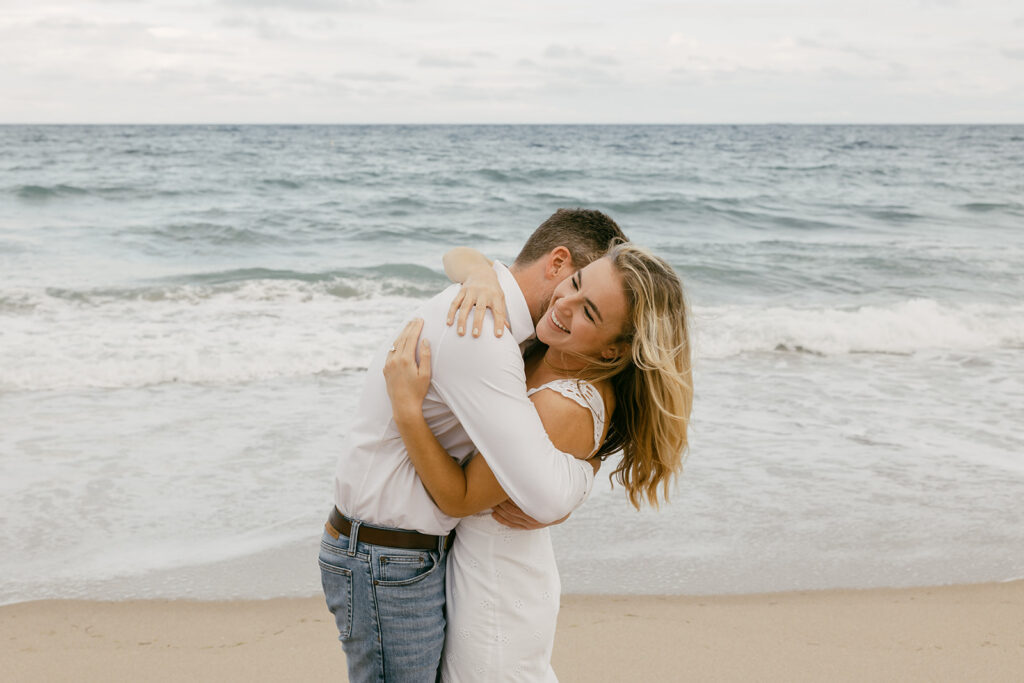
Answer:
[(586, 233)]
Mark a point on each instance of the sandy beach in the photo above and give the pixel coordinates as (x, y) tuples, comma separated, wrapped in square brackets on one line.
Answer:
[(948, 633)]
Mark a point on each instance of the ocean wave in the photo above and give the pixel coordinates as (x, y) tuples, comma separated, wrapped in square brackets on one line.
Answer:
[(249, 330), (205, 232), (986, 207), (658, 205), (242, 332), (529, 175), (892, 214), (283, 183), (902, 328), (867, 144), (63, 191), (735, 210), (803, 168), (251, 284), (41, 192)]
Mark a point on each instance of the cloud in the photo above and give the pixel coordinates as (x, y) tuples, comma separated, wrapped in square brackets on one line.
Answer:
[(375, 77), (117, 38), (402, 60), (584, 76), (561, 52), (306, 5), (444, 63), (846, 48), (475, 92), (263, 28), (81, 28)]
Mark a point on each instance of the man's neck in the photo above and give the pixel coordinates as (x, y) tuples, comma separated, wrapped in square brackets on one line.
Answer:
[(530, 280)]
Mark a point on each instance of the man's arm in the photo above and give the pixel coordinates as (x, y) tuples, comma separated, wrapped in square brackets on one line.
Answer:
[(482, 381)]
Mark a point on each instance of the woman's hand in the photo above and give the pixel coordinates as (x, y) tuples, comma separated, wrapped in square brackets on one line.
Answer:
[(512, 516), (407, 380), (482, 291)]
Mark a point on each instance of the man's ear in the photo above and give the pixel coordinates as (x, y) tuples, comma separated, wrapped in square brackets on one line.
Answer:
[(559, 263)]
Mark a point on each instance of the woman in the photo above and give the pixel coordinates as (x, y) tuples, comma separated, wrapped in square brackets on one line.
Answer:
[(611, 372)]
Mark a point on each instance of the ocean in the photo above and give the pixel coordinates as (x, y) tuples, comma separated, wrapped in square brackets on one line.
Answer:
[(187, 312)]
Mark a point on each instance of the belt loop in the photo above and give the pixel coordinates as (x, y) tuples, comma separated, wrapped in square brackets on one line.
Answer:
[(442, 541), (353, 537)]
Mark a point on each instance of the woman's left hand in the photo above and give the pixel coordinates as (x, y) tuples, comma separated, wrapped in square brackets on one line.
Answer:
[(407, 380), (480, 291)]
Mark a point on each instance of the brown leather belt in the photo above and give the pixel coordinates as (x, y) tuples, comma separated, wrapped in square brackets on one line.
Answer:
[(340, 525)]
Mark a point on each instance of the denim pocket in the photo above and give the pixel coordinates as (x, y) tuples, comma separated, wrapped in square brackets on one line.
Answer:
[(401, 569), (337, 583)]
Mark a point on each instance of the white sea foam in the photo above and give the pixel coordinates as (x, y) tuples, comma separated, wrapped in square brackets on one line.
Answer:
[(258, 330), (262, 329), (901, 328)]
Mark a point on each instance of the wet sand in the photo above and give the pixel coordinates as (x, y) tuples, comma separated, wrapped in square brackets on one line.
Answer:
[(948, 633)]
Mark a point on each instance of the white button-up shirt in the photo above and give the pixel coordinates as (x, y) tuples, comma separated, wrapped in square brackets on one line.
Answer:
[(476, 402)]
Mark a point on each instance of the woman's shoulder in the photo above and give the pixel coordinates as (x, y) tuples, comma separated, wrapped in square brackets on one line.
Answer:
[(567, 386), (558, 397), (567, 421), (598, 396), (607, 391)]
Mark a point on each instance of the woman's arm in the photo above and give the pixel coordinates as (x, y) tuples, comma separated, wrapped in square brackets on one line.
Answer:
[(459, 491), (456, 491), (480, 289), (462, 262)]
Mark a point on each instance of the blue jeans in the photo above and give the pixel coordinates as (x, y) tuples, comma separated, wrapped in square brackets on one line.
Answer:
[(388, 604)]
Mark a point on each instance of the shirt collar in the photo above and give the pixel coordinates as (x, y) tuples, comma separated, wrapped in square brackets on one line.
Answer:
[(518, 310)]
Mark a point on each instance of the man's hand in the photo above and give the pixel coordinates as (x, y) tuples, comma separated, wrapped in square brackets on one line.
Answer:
[(509, 514)]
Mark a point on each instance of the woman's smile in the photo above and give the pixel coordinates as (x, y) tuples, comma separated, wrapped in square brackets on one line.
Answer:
[(557, 322)]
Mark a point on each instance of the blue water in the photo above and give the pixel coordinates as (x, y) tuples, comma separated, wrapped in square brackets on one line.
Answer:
[(186, 314)]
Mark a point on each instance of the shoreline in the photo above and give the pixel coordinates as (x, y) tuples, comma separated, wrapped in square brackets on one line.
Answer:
[(957, 632)]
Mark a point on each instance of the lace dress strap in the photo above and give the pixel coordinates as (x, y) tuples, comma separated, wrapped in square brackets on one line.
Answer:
[(585, 394)]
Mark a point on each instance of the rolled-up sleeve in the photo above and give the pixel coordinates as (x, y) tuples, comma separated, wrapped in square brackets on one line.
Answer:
[(483, 383)]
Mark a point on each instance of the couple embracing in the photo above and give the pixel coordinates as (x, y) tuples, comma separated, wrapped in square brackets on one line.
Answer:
[(436, 560)]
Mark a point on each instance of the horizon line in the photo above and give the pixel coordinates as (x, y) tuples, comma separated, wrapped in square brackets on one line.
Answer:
[(697, 123)]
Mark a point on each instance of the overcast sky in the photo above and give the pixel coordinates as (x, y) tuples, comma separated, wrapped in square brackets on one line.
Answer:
[(527, 61)]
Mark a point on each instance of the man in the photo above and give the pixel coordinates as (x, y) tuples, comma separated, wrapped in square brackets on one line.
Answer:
[(383, 552)]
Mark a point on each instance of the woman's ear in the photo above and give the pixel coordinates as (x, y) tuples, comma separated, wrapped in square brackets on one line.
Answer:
[(615, 351)]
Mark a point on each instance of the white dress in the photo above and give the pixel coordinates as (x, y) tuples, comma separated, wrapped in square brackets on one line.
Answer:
[(503, 587)]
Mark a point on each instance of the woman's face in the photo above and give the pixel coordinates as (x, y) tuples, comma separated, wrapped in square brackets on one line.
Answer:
[(587, 312)]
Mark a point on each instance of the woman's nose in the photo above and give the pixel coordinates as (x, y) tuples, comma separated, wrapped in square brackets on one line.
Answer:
[(568, 305)]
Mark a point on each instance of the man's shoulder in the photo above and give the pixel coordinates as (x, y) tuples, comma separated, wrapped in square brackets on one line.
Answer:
[(445, 339), (440, 301), (454, 355)]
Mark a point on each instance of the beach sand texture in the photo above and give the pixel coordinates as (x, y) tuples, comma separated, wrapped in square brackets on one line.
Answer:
[(948, 633)]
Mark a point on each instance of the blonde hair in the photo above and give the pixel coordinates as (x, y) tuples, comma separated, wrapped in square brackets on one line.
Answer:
[(653, 383)]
